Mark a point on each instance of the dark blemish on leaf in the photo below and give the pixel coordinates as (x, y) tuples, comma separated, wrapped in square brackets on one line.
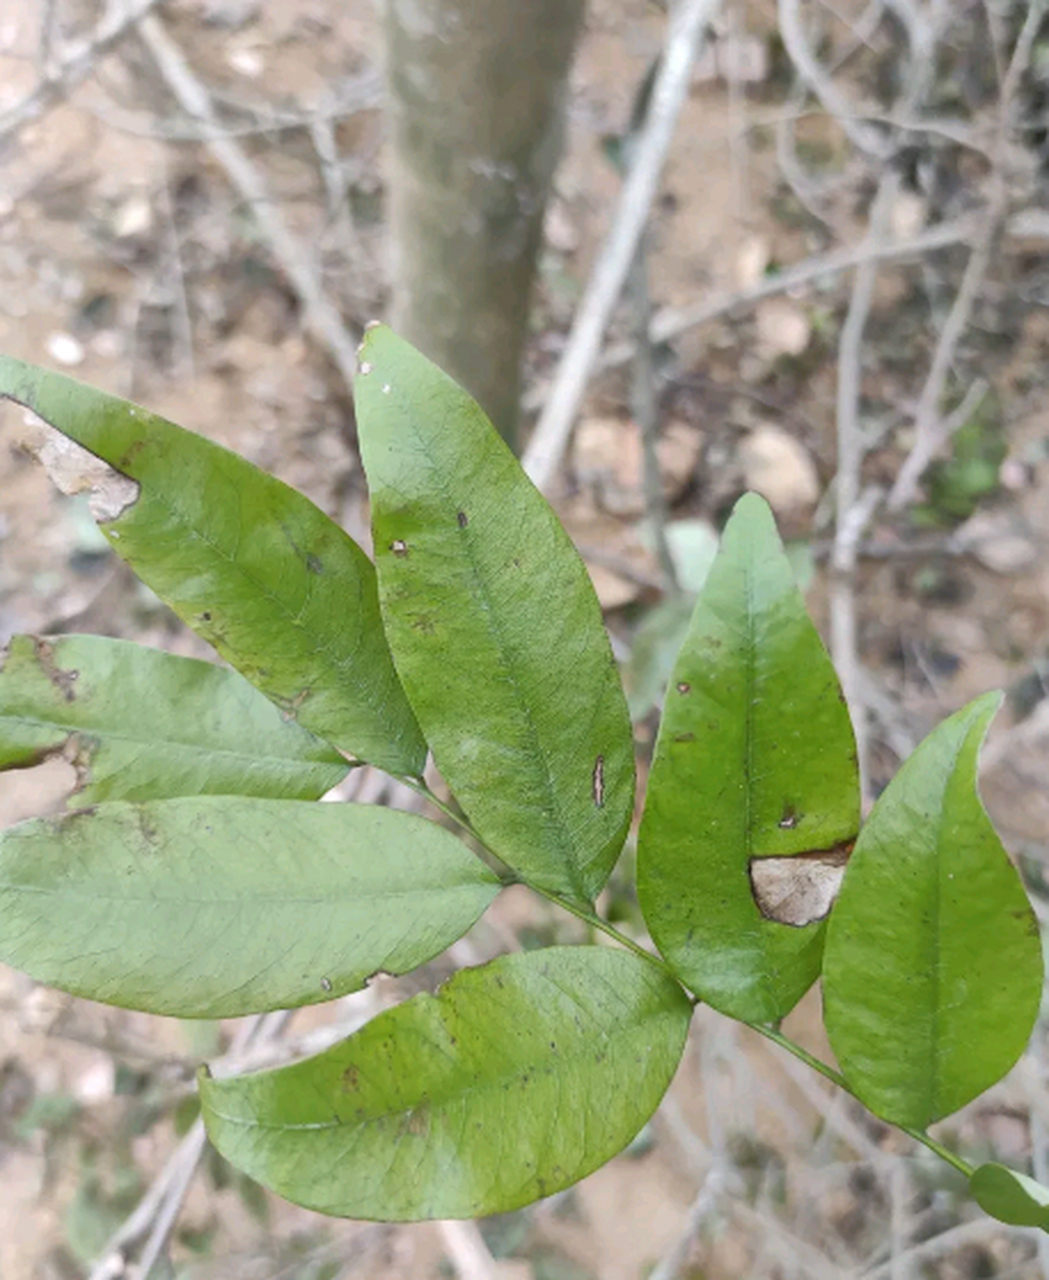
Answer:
[(553, 1045), (684, 687), (417, 1121), (132, 452), (399, 547), (62, 680), (463, 519), (290, 707), (598, 782), (147, 829), (517, 563), (789, 820), (205, 616), (684, 737), (325, 984), (351, 1077), (313, 564)]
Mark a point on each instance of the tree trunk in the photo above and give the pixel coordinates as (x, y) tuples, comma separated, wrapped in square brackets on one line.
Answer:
[(476, 96)]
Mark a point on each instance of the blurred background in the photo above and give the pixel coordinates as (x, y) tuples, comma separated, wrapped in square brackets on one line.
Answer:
[(798, 247)]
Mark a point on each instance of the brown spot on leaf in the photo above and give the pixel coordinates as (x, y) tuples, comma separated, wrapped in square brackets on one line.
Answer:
[(463, 519), (351, 1077), (399, 547), (684, 687), (790, 818), (290, 707), (799, 889), (598, 782), (63, 681)]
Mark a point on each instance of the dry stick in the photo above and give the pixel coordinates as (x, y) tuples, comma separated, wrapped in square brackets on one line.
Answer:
[(794, 40), (947, 1241), (645, 405), (74, 65), (932, 431), (852, 510), (672, 322), (701, 1209), (688, 21), (320, 316), (158, 1209), (467, 1251)]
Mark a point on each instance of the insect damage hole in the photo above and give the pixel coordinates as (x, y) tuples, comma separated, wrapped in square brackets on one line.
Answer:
[(75, 470), (800, 889), (598, 783)]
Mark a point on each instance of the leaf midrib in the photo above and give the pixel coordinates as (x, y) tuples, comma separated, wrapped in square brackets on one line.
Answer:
[(180, 744)]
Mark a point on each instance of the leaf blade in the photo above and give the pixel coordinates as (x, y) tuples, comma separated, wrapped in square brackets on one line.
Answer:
[(141, 724), (514, 1081), (1010, 1196), (284, 594), (527, 722), (208, 907), (755, 760), (933, 965)]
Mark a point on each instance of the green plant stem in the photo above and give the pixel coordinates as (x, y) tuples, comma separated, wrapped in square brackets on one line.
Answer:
[(835, 1077), (595, 921), (512, 877), (503, 870)]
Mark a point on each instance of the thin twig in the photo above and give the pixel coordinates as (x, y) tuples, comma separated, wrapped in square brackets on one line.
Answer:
[(853, 511), (467, 1252), (688, 23), (73, 66), (947, 1242), (320, 316), (869, 140), (158, 1210), (706, 1202), (931, 431), (645, 405), (671, 322)]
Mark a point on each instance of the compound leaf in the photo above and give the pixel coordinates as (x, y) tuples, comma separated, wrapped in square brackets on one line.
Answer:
[(933, 967), (753, 796), (1010, 1196), (514, 1081), (212, 907), (140, 724), (494, 626), (251, 565)]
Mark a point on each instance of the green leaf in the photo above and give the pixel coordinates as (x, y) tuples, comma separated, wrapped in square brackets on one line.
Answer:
[(212, 907), (1010, 1197), (251, 565), (140, 724), (933, 968), (494, 626), (755, 763), (511, 1083)]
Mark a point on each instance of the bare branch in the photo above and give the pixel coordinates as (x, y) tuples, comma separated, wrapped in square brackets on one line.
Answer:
[(852, 511), (931, 430), (71, 68), (797, 46), (688, 22), (320, 316)]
